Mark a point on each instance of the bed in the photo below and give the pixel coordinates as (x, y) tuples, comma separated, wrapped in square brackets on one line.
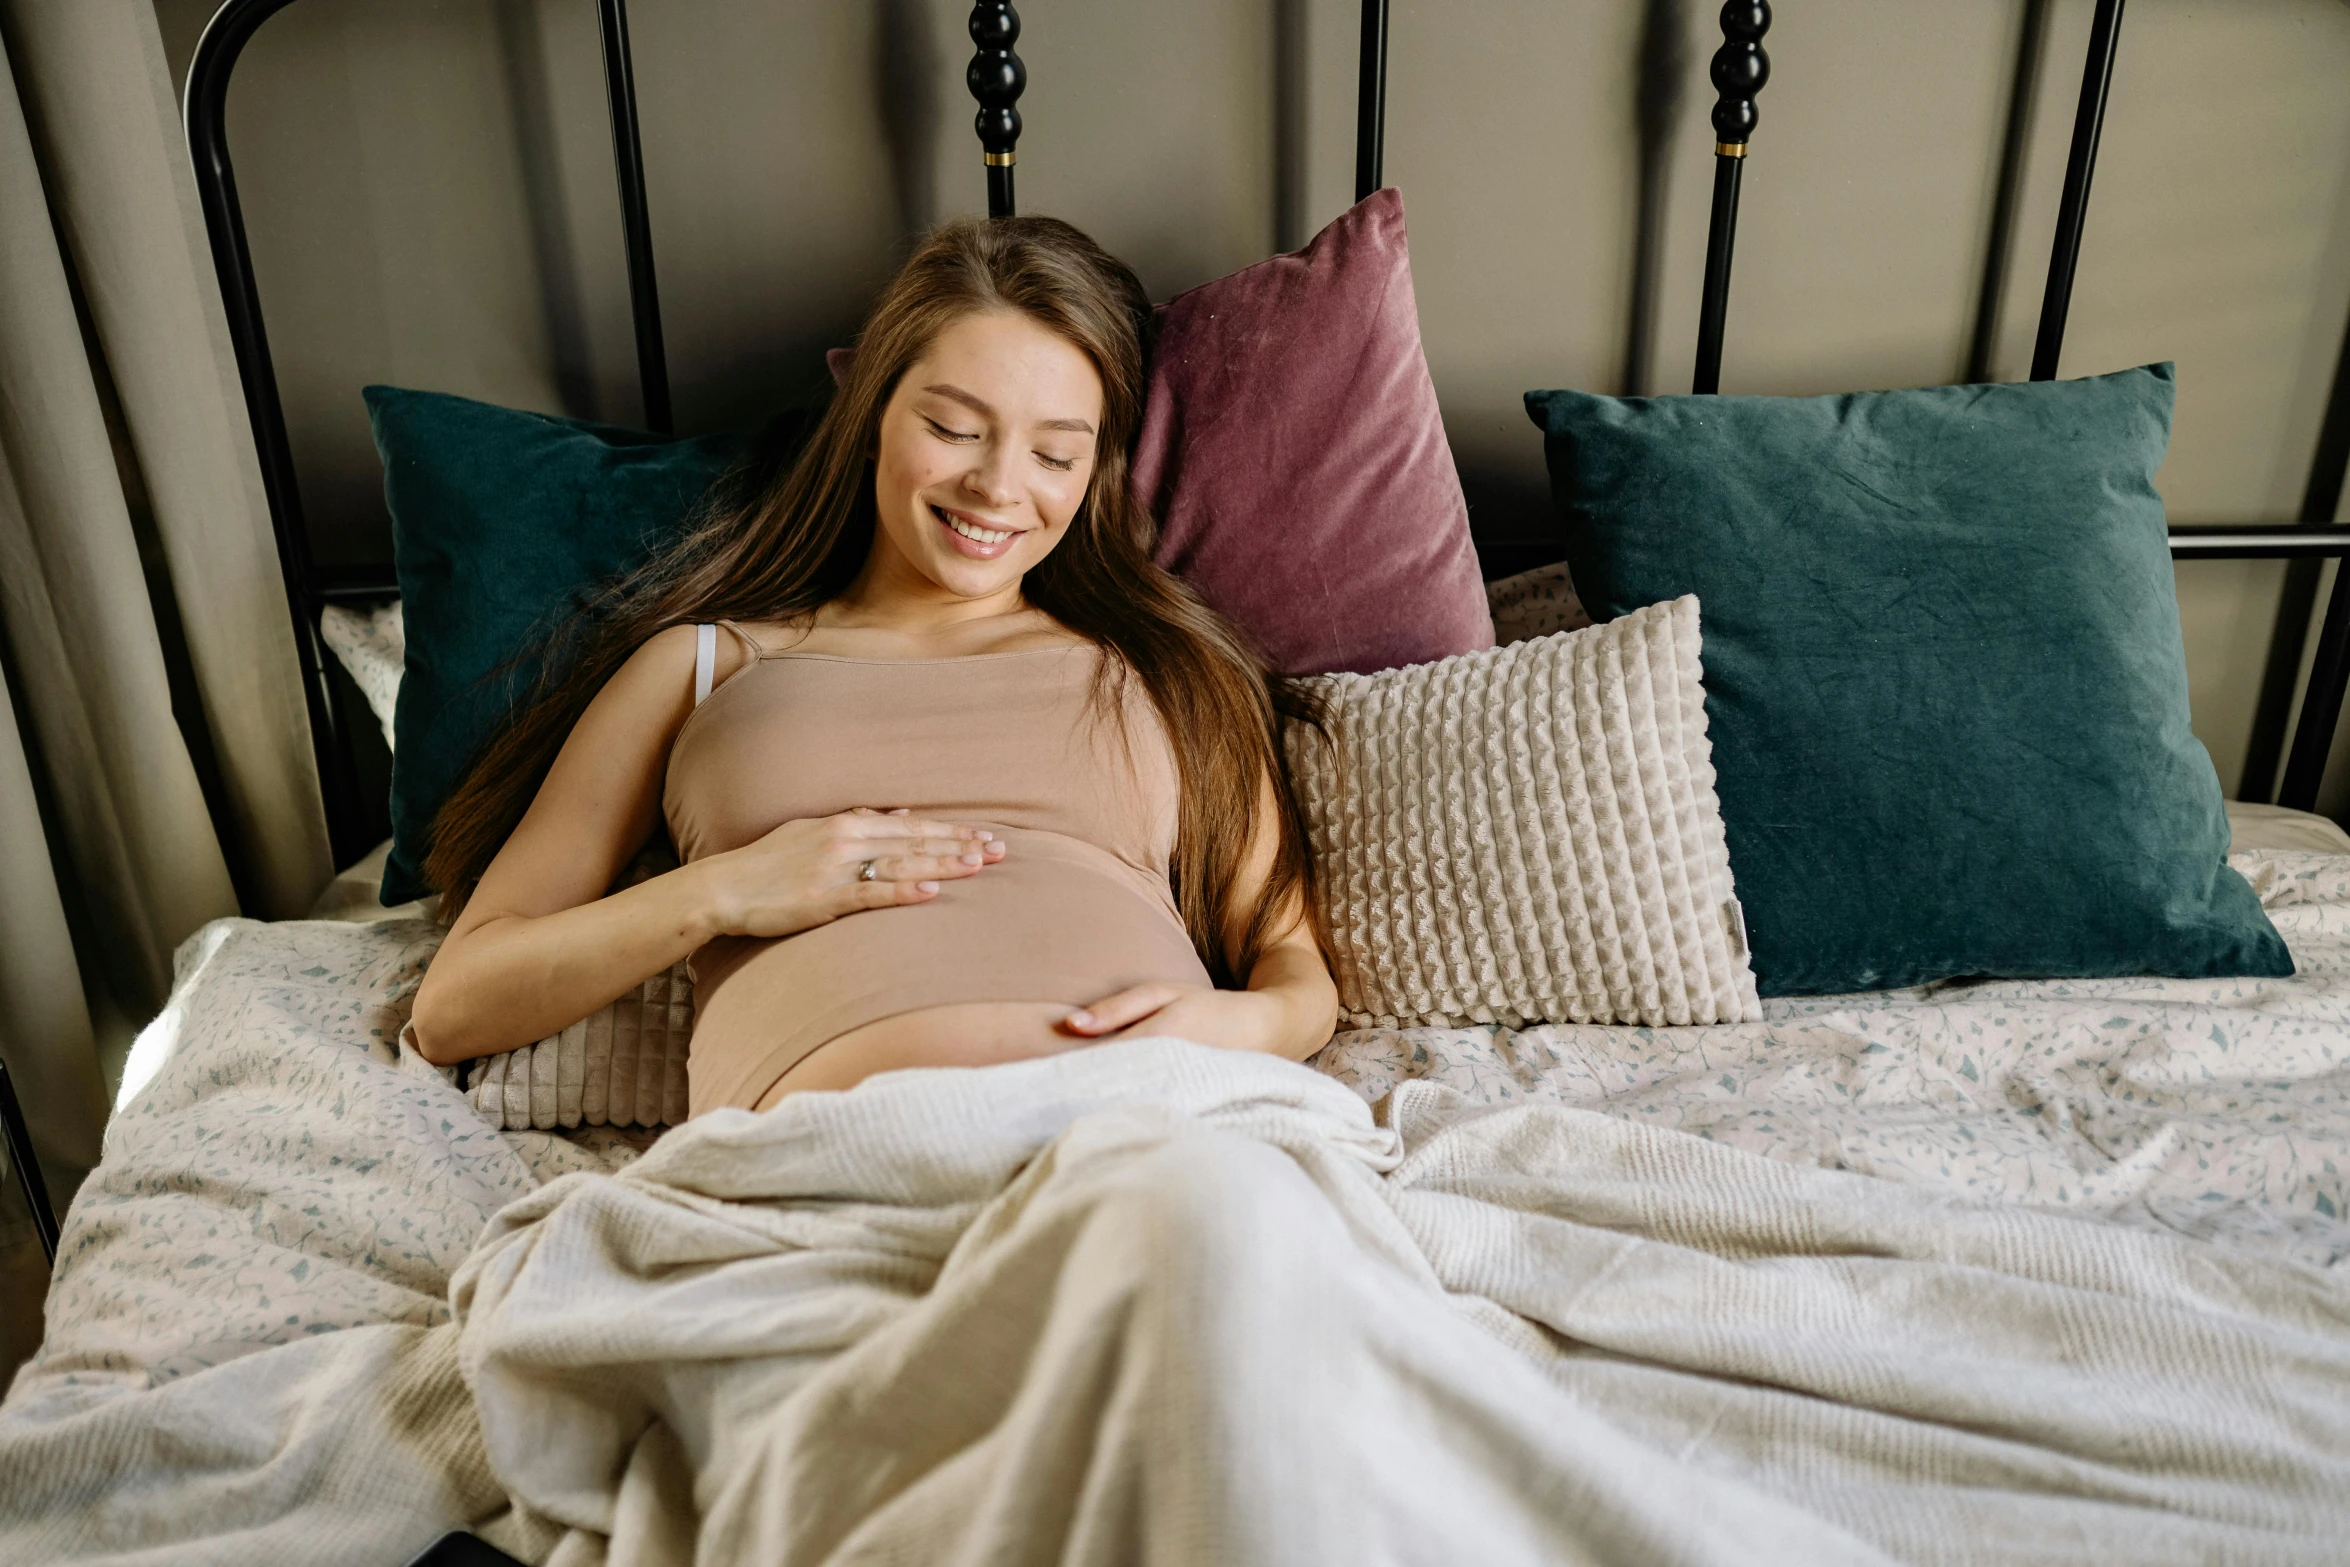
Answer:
[(2017, 1270), (252, 1352)]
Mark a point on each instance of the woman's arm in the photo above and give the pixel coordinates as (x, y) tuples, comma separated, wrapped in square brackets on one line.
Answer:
[(1290, 1007), (539, 946)]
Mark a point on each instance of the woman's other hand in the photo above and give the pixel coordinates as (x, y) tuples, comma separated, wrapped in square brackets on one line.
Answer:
[(807, 873), (1227, 1019), (1288, 1009)]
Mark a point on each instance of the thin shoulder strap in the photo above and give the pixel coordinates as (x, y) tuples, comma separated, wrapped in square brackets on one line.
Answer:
[(706, 655), (705, 661), (748, 641)]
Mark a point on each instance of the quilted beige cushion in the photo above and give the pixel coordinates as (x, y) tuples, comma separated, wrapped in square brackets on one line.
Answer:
[(623, 1066), (1528, 834)]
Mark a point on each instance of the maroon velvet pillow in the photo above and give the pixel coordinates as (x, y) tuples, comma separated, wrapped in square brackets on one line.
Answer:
[(1292, 450)]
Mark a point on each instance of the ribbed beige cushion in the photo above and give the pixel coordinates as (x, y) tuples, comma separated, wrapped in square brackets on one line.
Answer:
[(623, 1066), (1528, 834)]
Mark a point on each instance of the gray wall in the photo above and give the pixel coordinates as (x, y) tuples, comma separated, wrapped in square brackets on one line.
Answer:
[(428, 186)]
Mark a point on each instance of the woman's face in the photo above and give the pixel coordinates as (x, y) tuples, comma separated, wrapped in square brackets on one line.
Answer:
[(985, 451)]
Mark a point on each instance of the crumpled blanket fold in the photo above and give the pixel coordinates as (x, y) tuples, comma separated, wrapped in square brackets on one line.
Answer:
[(1156, 1303)]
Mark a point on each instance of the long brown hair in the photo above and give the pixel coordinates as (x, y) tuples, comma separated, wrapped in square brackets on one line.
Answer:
[(780, 550)]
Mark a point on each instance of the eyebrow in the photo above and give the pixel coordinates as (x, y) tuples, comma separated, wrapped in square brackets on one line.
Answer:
[(957, 394)]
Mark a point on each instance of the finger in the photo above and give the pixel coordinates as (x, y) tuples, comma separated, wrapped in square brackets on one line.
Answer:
[(885, 850), (926, 867), (919, 857), (1127, 1007), (850, 897), (955, 849), (979, 851), (869, 824)]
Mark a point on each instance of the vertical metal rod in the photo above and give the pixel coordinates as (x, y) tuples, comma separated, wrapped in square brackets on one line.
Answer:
[(2272, 712), (2321, 704), (1740, 70), (2073, 210), (1999, 249), (1371, 100), (1656, 113), (2321, 501), (644, 294), (348, 834), (1713, 311), (2329, 465), (997, 77), (28, 1166), (1289, 124), (2329, 674)]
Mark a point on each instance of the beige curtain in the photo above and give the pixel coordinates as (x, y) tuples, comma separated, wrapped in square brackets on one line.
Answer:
[(109, 854)]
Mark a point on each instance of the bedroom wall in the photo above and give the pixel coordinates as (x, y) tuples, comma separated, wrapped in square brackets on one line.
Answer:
[(428, 188)]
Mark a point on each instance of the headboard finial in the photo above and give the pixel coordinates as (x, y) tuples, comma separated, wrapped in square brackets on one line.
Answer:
[(1740, 71), (997, 78), (1740, 68)]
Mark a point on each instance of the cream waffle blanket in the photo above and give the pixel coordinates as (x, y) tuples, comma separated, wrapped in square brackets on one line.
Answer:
[(1156, 1303)]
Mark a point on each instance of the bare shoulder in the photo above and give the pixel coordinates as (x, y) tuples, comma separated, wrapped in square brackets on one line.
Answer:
[(650, 693), (668, 656), (664, 652), (659, 668)]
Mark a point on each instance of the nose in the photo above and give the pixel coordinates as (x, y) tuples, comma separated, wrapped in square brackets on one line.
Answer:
[(990, 479)]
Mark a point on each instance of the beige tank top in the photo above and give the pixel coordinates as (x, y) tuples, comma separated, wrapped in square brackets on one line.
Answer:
[(1085, 801)]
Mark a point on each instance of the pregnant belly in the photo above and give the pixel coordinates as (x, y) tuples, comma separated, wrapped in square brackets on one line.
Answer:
[(981, 973), (970, 1033)]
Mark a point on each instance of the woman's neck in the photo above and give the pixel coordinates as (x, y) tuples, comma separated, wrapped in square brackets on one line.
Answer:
[(889, 595)]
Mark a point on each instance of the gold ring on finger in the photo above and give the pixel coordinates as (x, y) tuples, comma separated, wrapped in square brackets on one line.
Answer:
[(868, 870)]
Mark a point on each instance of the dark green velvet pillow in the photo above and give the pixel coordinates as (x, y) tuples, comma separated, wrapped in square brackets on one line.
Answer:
[(1943, 670), (500, 520)]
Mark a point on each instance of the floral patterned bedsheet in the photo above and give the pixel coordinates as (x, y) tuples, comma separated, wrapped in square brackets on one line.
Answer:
[(281, 1174), (277, 1174), (2215, 1108)]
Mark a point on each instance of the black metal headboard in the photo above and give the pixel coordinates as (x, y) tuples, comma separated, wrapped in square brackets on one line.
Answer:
[(1739, 72)]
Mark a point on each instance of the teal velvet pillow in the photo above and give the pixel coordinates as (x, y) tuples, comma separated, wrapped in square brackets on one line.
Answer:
[(500, 520), (1943, 669)]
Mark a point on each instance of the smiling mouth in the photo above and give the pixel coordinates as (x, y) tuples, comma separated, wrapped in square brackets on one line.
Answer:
[(986, 540)]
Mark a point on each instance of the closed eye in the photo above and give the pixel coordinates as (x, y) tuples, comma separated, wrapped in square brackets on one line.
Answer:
[(1057, 464), (945, 434)]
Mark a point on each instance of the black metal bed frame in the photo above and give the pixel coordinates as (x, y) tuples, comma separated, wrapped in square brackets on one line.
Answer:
[(19, 1139), (1739, 71)]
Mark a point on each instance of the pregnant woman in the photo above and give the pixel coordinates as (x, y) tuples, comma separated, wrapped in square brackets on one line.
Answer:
[(956, 774)]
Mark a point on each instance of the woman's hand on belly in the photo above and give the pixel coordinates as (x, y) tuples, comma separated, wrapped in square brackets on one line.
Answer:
[(809, 873), (1227, 1019), (1288, 1009)]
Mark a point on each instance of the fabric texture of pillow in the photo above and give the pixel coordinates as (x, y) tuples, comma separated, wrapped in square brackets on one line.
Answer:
[(501, 520), (2253, 826), (1292, 450), (622, 1066), (371, 645), (1528, 834), (1535, 604), (1944, 670)]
